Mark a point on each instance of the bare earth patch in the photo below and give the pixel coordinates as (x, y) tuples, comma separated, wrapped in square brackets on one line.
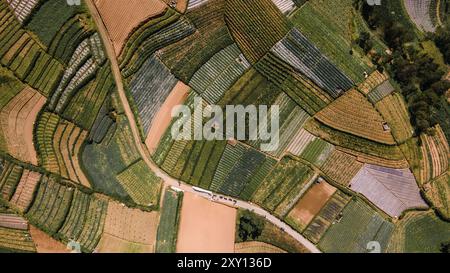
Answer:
[(46, 244), (128, 230), (121, 17), (311, 203), (206, 226), (163, 118)]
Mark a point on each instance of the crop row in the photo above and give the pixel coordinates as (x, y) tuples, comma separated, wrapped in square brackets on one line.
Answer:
[(211, 35), (23, 55), (217, 75), (268, 26), (51, 205), (380, 92), (152, 39), (354, 114), (393, 109), (150, 87), (66, 41), (300, 53), (326, 24), (317, 151), (9, 180), (85, 106), (231, 155), (22, 8), (301, 90), (341, 167), (16, 240), (141, 184), (288, 175), (168, 223)]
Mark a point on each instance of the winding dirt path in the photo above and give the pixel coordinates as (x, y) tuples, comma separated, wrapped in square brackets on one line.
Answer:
[(168, 180)]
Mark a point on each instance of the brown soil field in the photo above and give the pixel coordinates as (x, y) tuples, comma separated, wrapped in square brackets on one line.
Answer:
[(256, 247), (24, 191), (121, 17), (311, 203), (163, 118), (17, 121), (112, 244), (46, 244), (131, 225), (205, 226)]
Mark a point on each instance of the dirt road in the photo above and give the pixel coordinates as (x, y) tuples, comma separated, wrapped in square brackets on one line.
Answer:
[(168, 180)]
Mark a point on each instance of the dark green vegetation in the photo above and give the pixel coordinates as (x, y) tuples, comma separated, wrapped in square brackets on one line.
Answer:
[(103, 161), (168, 224), (252, 227), (418, 74), (55, 11)]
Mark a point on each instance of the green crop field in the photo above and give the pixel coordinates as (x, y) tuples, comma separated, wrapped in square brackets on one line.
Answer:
[(328, 24), (103, 161), (359, 225), (420, 232), (168, 223), (143, 186), (51, 16)]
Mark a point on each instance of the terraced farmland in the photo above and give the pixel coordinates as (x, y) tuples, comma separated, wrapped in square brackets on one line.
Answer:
[(122, 18), (366, 149), (103, 161), (24, 193), (120, 236), (155, 34), (435, 151), (17, 120), (50, 17), (22, 9), (50, 206), (326, 24), (420, 12), (16, 240), (353, 114), (21, 53), (82, 67), (59, 145), (420, 232), (437, 191), (382, 91), (393, 109), (256, 27), (9, 180)]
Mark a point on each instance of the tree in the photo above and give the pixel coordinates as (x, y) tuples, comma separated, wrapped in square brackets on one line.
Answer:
[(445, 247), (250, 226)]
